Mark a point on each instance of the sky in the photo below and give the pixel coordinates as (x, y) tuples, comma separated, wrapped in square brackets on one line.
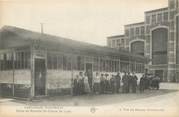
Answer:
[(90, 21)]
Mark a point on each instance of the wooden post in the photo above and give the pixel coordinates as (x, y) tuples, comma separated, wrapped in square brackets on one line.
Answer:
[(32, 72), (46, 83), (72, 74), (13, 73), (119, 65), (135, 66)]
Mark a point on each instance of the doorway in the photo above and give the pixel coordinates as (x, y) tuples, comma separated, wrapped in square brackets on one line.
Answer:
[(40, 77), (89, 72)]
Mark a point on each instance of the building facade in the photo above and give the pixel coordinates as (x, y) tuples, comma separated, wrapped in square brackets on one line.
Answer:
[(157, 38), (34, 64)]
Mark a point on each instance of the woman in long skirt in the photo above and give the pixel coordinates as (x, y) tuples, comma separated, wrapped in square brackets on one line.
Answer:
[(86, 83), (96, 86)]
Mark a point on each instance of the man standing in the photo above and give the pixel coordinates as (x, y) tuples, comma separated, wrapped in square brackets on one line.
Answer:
[(102, 83), (125, 83), (107, 83), (112, 83), (81, 83), (128, 82), (157, 82), (134, 83), (142, 83), (118, 82), (147, 81), (75, 86)]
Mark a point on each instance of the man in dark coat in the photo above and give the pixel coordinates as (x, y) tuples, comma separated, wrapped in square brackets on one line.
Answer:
[(134, 83), (118, 82), (102, 83), (81, 83), (107, 83), (125, 83), (128, 82), (147, 81), (155, 82), (142, 83), (75, 86), (112, 84)]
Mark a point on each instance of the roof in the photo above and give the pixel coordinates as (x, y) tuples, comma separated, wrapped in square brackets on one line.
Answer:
[(67, 45), (116, 36), (157, 10), (135, 24)]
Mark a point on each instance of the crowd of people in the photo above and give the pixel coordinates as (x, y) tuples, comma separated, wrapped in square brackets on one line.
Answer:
[(105, 83)]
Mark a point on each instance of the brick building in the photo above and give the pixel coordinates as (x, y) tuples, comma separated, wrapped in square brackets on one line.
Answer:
[(156, 38)]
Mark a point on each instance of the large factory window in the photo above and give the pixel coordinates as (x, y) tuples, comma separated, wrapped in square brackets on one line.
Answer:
[(159, 46), (17, 60)]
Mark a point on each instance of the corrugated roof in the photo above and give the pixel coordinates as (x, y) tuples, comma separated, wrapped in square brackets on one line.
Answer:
[(60, 43)]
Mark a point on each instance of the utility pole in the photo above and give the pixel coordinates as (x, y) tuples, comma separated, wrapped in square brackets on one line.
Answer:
[(42, 26), (42, 32)]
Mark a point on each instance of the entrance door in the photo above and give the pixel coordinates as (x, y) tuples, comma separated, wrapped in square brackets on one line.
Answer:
[(159, 73), (40, 77), (89, 71)]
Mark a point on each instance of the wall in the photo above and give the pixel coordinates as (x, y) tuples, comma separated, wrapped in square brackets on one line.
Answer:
[(57, 79), (20, 77), (22, 83), (58, 82)]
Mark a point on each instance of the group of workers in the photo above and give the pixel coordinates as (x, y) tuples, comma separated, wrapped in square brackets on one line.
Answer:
[(105, 83)]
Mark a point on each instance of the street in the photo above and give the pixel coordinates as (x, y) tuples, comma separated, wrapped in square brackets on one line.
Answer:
[(163, 102), (168, 91)]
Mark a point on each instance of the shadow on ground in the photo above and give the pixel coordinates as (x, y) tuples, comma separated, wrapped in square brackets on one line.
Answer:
[(94, 100)]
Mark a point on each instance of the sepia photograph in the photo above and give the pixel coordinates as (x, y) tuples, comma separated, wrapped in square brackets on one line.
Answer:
[(89, 58)]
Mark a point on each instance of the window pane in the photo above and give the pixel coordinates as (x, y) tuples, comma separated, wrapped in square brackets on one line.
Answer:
[(142, 30), (148, 19), (137, 31), (127, 32), (49, 61), (60, 61), (165, 15), (131, 32), (153, 19), (172, 4), (69, 65), (159, 18)]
